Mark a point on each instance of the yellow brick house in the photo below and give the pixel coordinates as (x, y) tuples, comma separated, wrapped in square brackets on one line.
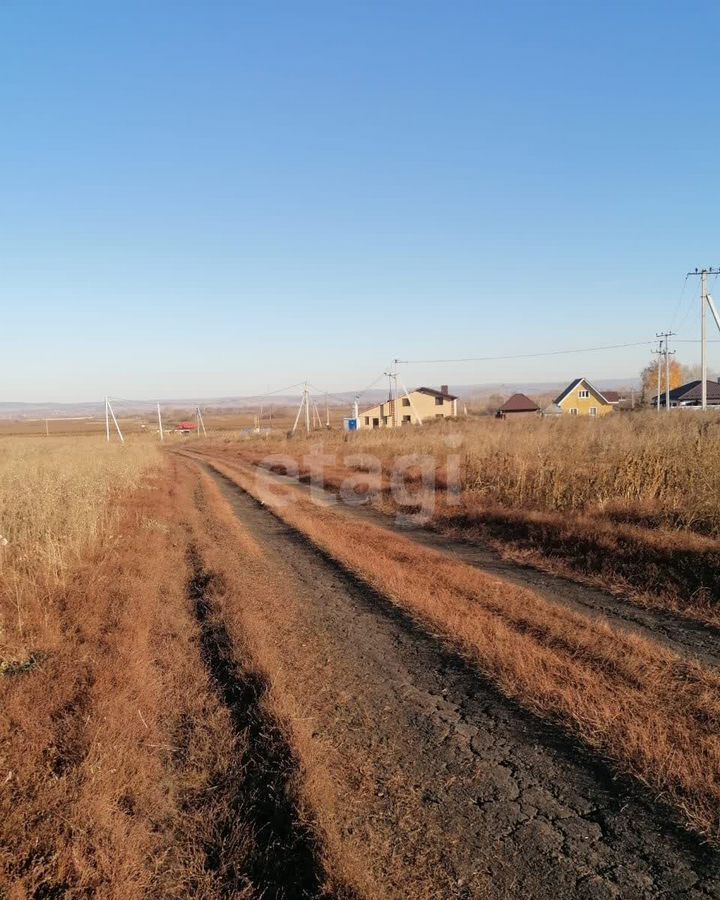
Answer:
[(580, 398), (421, 405)]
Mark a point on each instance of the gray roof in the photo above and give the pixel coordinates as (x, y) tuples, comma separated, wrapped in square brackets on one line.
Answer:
[(573, 384), (692, 391), (433, 393)]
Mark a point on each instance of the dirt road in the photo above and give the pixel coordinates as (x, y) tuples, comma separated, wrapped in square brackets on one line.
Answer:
[(683, 635), (456, 791)]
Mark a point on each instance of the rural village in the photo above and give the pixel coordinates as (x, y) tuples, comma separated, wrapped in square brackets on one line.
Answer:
[(282, 619)]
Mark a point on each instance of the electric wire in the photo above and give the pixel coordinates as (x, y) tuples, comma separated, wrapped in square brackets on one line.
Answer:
[(679, 303), (522, 355)]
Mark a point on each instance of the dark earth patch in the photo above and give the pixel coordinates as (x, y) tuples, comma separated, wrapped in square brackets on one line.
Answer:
[(284, 862), (685, 636), (522, 808)]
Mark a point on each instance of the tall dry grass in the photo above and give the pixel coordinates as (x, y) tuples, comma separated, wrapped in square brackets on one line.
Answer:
[(630, 503), (651, 713), (664, 468), (56, 504)]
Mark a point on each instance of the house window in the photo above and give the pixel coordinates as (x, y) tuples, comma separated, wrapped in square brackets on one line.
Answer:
[(376, 423), (367, 420), (583, 395), (593, 410), (438, 401), (406, 419), (573, 411), (406, 401)]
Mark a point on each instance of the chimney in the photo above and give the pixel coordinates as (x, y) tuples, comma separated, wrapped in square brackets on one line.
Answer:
[(443, 389)]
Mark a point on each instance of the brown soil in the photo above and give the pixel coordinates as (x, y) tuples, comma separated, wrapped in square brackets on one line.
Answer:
[(223, 709), (440, 786), (688, 637), (646, 561), (127, 767)]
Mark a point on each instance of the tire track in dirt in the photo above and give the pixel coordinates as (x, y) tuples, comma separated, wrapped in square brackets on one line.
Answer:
[(284, 862), (685, 636), (523, 810)]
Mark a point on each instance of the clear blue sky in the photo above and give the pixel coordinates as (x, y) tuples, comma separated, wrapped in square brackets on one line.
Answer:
[(216, 198)]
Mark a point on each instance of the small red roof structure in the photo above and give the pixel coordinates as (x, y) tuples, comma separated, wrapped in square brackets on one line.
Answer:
[(186, 426), (518, 403)]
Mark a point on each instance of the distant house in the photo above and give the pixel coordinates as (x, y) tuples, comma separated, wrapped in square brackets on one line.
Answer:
[(690, 394), (421, 405), (613, 397), (517, 405), (580, 398), (185, 427), (552, 409)]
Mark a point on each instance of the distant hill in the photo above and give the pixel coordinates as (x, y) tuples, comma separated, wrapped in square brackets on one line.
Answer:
[(19, 410)]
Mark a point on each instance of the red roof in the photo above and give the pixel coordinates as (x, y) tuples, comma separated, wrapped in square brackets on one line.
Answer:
[(519, 403), (187, 426)]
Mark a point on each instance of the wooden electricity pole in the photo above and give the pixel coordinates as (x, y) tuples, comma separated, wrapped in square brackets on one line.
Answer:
[(705, 302)]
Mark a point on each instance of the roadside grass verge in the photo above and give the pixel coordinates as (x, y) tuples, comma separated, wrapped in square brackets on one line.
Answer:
[(651, 713), (630, 504), (60, 500), (123, 770)]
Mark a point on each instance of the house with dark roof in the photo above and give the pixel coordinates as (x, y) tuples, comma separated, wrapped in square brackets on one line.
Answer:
[(414, 408), (517, 405), (690, 394), (581, 398), (613, 397)]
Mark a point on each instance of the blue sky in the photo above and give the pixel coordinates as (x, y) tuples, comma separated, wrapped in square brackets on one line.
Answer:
[(221, 198)]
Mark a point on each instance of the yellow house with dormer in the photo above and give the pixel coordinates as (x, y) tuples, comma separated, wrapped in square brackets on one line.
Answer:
[(580, 398)]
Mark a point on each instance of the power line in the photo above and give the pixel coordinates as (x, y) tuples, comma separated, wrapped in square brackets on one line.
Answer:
[(679, 303), (328, 394), (690, 304), (521, 355), (371, 385)]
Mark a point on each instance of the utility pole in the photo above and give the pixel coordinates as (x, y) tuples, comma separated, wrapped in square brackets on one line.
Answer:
[(162, 436), (200, 422), (392, 377), (703, 338), (391, 408), (659, 352), (668, 354), (305, 401), (109, 411), (705, 301), (665, 340)]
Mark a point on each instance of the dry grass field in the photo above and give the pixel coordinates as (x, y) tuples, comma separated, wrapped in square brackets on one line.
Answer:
[(496, 676), (631, 504), (134, 749), (642, 468), (60, 500)]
